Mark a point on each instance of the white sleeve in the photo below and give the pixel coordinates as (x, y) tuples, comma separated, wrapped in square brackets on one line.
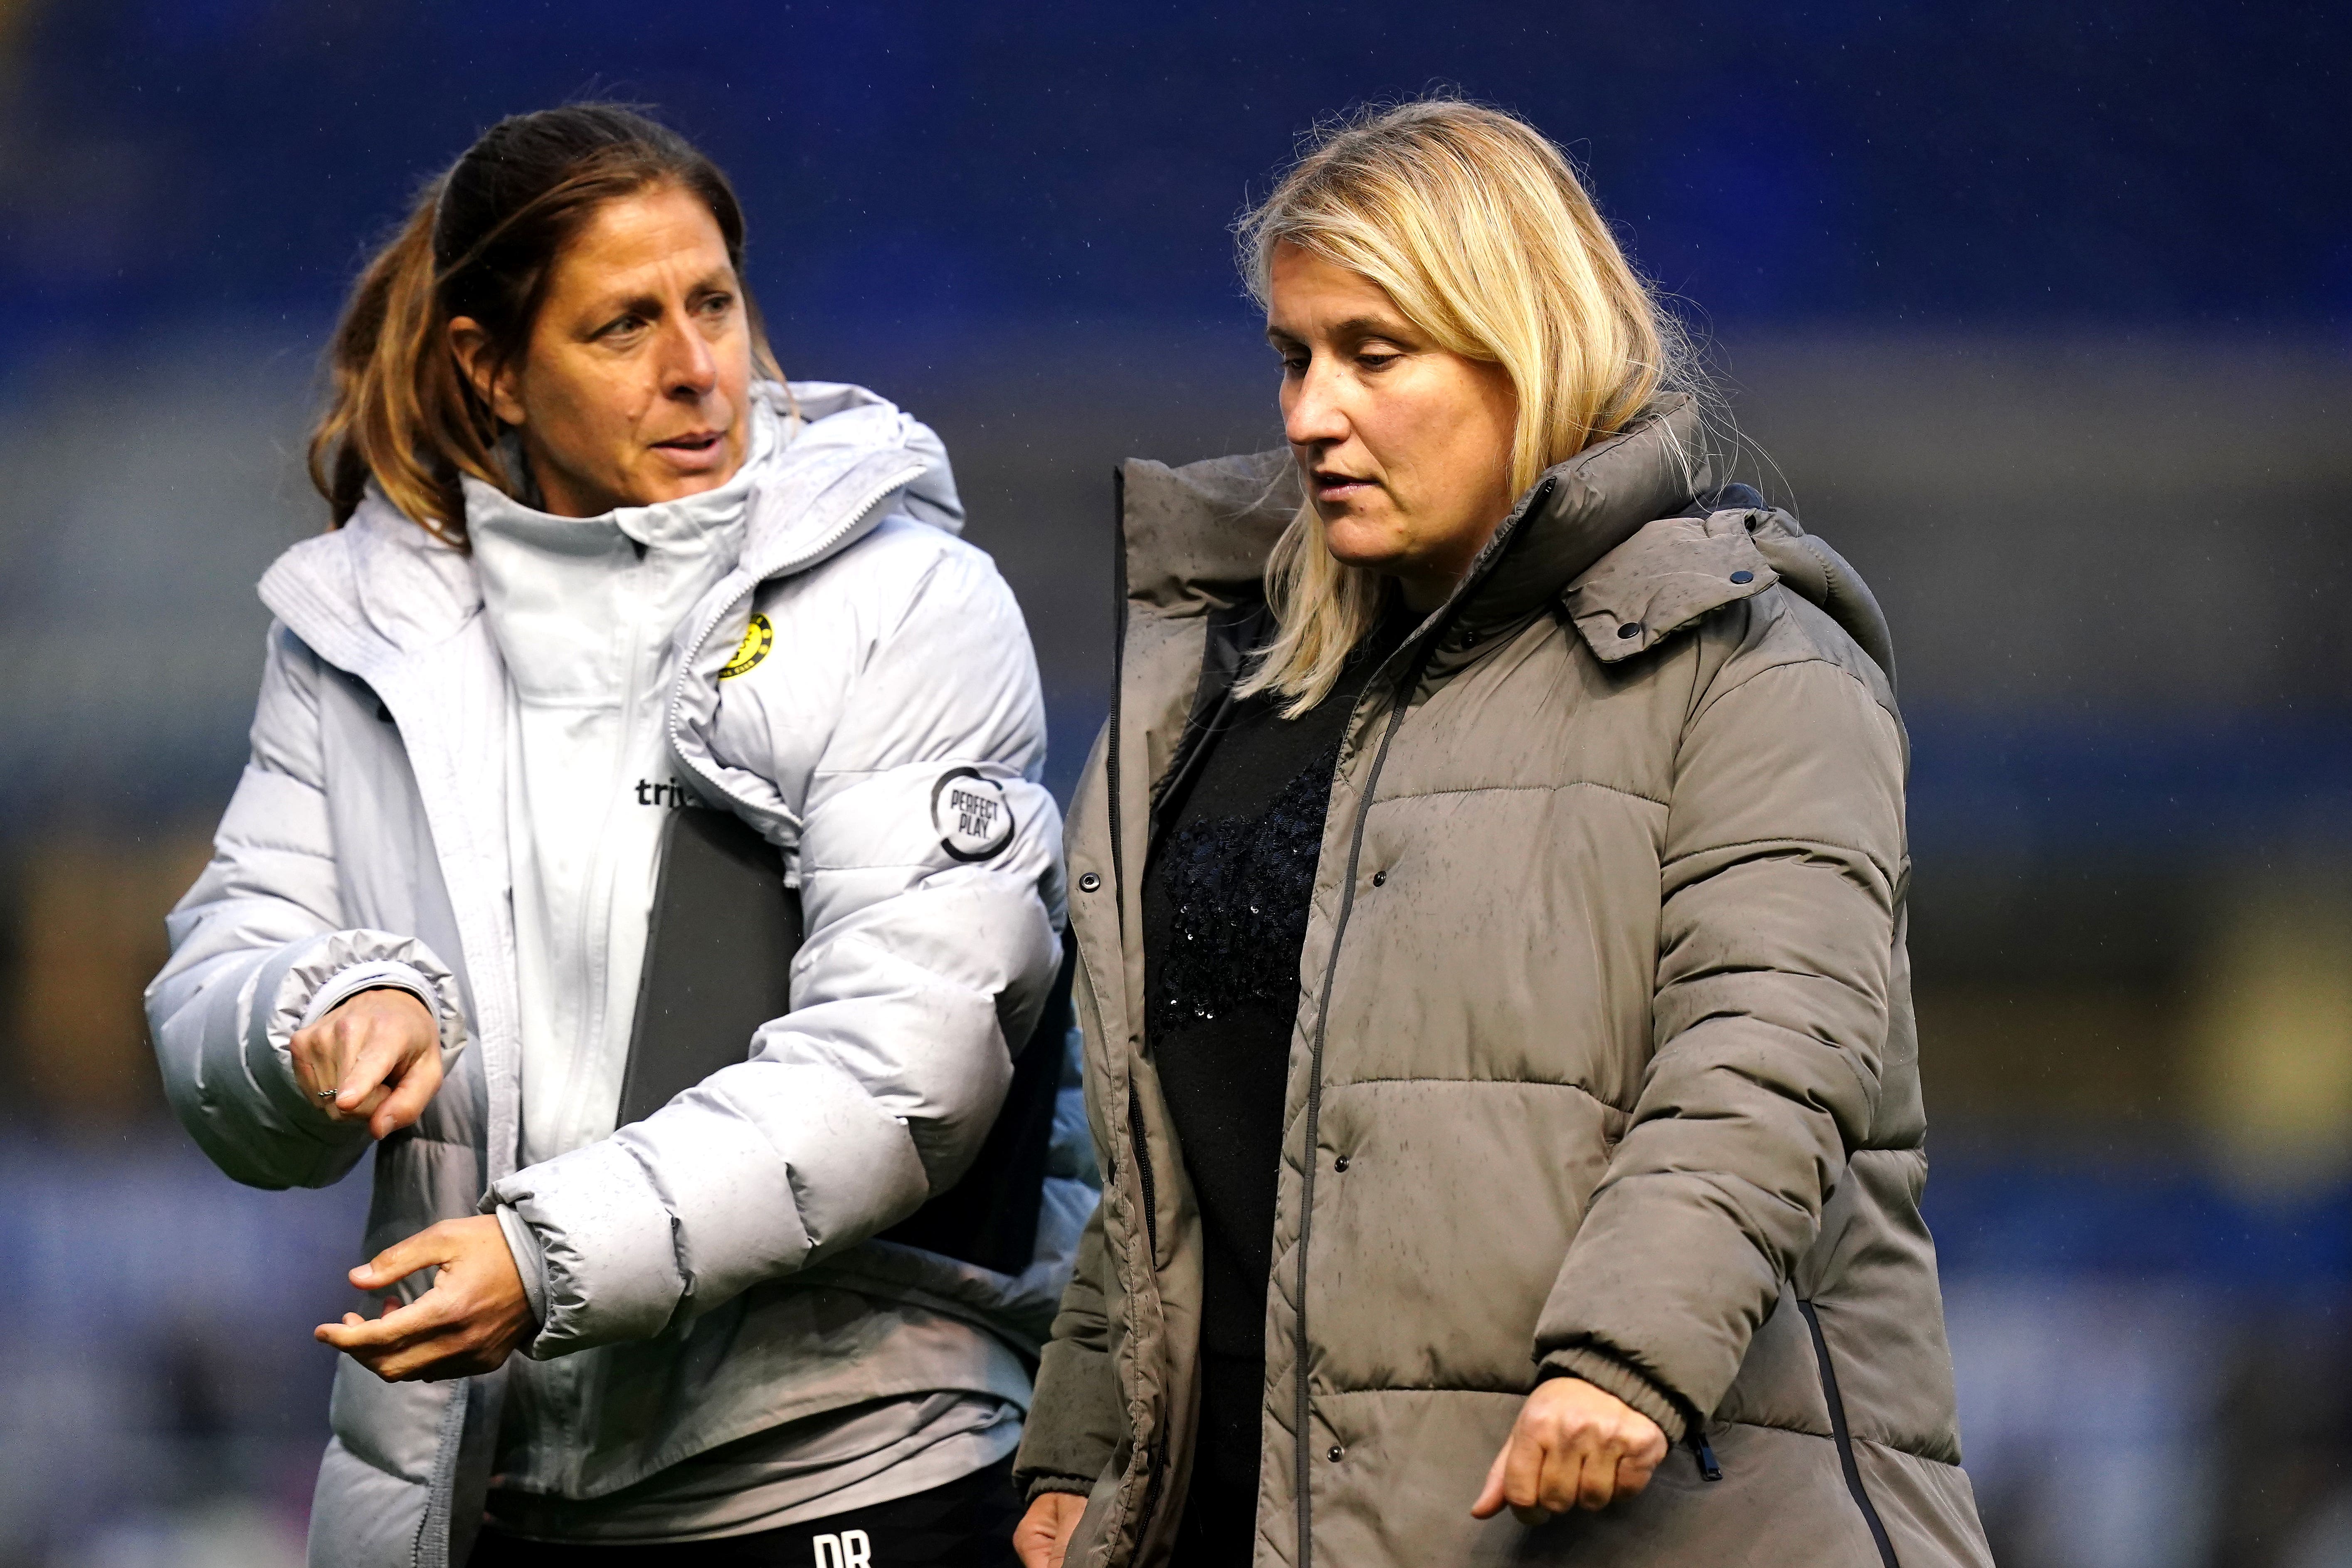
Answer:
[(258, 951), (930, 860)]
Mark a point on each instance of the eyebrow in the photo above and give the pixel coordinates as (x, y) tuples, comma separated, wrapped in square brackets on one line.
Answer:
[(630, 304), (644, 304), (1353, 327)]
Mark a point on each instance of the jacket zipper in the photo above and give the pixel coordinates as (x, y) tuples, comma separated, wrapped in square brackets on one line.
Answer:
[(1303, 1464), (1844, 1438), (710, 622), (1431, 632), (1155, 1481), (1143, 1172)]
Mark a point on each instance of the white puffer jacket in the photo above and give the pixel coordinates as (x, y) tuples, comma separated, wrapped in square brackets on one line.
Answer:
[(367, 844)]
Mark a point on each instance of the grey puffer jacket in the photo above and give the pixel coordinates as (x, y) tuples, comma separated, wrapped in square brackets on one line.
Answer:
[(709, 1268), (1603, 1062)]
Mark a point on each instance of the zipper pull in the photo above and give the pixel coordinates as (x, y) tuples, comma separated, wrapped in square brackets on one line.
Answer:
[(1708, 1470)]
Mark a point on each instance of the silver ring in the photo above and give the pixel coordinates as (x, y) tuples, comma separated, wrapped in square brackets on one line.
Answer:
[(328, 1093)]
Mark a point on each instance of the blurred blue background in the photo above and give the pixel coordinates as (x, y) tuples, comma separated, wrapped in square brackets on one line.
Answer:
[(2042, 315)]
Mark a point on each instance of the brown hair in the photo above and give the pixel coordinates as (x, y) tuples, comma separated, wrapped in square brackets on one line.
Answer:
[(482, 241)]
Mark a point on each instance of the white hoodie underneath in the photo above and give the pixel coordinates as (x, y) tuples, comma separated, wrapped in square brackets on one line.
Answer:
[(582, 610)]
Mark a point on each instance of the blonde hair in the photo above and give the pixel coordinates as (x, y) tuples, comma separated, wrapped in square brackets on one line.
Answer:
[(1479, 229)]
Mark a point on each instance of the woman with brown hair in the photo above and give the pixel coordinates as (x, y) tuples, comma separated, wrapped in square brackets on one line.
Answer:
[(635, 688), (1489, 891)]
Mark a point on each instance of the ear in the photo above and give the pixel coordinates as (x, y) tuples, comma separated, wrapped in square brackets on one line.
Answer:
[(471, 345)]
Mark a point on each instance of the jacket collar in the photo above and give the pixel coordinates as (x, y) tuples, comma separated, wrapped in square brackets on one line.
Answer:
[(1576, 516), (1628, 537), (380, 589), (1199, 536)]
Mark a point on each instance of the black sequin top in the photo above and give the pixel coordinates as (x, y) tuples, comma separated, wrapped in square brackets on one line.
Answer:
[(1224, 915), (1239, 887)]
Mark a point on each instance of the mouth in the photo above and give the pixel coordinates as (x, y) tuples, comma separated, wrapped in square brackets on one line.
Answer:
[(1330, 485), (692, 449)]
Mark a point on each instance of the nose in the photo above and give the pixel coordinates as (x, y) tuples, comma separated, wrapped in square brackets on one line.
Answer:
[(688, 369), (1311, 412)]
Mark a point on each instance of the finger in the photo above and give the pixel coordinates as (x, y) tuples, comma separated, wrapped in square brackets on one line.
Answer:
[(1551, 1490), (403, 1259), (1523, 1463), (353, 1333), (419, 1082), (422, 1316), (1634, 1475), (1596, 1484), (1523, 1470), (447, 1341), (318, 1053), (362, 1112), (374, 1064), (428, 1361), (435, 1314), (441, 1353), (300, 1048), (1490, 1496), (1652, 1448)]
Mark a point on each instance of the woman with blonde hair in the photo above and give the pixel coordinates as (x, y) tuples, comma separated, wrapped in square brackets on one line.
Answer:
[(642, 854), (1489, 891)]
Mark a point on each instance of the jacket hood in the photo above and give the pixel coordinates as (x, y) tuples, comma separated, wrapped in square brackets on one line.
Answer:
[(1725, 545), (846, 451)]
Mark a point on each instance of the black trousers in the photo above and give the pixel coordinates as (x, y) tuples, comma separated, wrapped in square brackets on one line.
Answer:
[(965, 1522)]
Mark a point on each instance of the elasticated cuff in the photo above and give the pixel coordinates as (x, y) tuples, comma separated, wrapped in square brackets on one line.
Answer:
[(302, 981), (1610, 1375), (1072, 1485), (530, 1260), (379, 974), (609, 1243), (1075, 1421), (310, 979)]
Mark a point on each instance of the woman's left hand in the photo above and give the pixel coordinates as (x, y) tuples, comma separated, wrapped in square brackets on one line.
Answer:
[(1574, 1445), (467, 1323)]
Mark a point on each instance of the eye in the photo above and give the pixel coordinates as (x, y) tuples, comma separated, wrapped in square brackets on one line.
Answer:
[(1377, 359), (620, 327), (715, 304)]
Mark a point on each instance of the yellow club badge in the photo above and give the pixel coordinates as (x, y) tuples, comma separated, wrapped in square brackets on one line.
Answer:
[(758, 638)]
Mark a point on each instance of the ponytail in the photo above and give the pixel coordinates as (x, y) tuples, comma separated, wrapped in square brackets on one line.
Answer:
[(481, 241), (395, 389)]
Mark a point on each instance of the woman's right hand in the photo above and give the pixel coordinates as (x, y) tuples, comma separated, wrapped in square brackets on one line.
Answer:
[(380, 1052), (1044, 1531)]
